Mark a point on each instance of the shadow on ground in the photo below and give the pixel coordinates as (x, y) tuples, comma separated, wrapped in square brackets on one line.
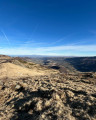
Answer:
[(26, 107)]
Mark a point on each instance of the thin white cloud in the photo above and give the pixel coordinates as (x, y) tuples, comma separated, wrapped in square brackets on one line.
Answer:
[(68, 50), (70, 47), (62, 39), (32, 43), (6, 37)]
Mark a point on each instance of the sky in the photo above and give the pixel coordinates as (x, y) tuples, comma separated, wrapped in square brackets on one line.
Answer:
[(48, 27)]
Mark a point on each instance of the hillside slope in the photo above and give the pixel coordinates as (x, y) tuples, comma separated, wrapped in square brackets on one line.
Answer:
[(83, 64), (69, 64), (48, 96), (16, 68)]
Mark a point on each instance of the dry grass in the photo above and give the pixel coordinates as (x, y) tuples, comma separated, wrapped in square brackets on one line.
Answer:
[(11, 70)]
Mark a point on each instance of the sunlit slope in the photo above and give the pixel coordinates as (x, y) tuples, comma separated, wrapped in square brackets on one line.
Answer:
[(16, 69)]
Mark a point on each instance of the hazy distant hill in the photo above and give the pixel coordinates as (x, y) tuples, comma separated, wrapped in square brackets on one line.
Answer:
[(83, 64), (53, 62)]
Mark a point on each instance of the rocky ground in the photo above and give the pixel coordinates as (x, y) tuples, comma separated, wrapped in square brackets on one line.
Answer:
[(54, 96)]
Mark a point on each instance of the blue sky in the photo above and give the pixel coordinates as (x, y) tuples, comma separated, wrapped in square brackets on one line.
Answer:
[(48, 27)]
